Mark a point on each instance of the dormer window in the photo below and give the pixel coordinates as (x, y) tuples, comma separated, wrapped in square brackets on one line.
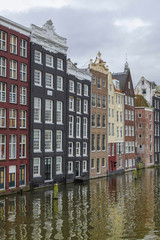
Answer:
[(117, 85)]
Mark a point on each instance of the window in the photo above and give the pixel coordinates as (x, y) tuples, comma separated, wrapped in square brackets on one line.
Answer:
[(78, 105), (93, 100), (93, 142), (132, 115), (71, 125), (58, 140), (118, 99), (98, 165), (84, 166), (143, 91), (59, 112), (104, 102), (85, 127), (70, 167), (58, 165), (49, 80), (23, 119), (84, 149), (59, 83), (48, 168), (48, 110), (85, 90), (12, 118), (37, 140), (59, 64), (23, 95), (113, 149), (37, 110), (71, 103), (92, 163), (112, 112), (71, 86), (132, 130), (117, 131), (49, 61), (13, 44), (22, 146), (37, 78), (120, 116), (139, 115), (109, 129), (2, 146), (112, 100), (121, 133), (125, 99), (48, 140), (103, 162), (104, 82), (126, 146), (37, 57), (36, 167), (103, 142), (85, 107), (13, 94), (12, 146), (117, 116), (93, 79), (98, 82), (93, 120), (12, 176), (78, 149), (98, 120), (98, 142), (70, 149), (2, 178), (98, 101), (2, 92), (23, 48), (3, 66), (78, 127), (3, 40), (79, 89), (140, 125), (23, 72), (112, 129), (2, 117), (103, 121), (13, 69)]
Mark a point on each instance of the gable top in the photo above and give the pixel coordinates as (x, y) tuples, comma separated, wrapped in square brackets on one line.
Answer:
[(122, 76), (48, 38), (81, 74), (99, 64), (151, 84)]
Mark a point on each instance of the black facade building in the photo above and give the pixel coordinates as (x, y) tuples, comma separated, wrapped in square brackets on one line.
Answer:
[(156, 106), (78, 123), (48, 106)]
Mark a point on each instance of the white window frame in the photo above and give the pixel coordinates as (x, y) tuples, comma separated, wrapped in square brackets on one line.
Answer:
[(48, 140), (38, 164), (70, 149), (85, 148), (49, 80), (2, 145), (3, 40), (3, 66), (23, 119), (13, 94), (37, 57), (78, 149), (12, 146), (59, 139), (37, 78), (59, 115), (13, 69), (59, 165), (78, 105), (78, 127), (71, 103), (13, 118), (13, 44), (86, 90), (85, 106), (71, 126), (23, 95), (37, 110), (71, 86), (23, 145), (70, 167), (84, 169), (12, 170), (79, 89), (60, 64), (49, 61), (85, 126), (59, 83), (48, 111), (23, 72), (23, 48), (2, 117), (37, 139), (2, 92)]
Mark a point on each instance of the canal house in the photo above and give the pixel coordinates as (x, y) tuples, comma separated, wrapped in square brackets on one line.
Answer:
[(78, 122), (14, 105), (48, 106)]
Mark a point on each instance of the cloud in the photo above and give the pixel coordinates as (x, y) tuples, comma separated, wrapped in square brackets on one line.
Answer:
[(131, 25)]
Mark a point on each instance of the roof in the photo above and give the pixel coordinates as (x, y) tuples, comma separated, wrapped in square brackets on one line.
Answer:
[(140, 101), (122, 77)]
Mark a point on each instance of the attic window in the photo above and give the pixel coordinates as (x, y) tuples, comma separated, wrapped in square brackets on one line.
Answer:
[(117, 85), (144, 91), (129, 85), (142, 82)]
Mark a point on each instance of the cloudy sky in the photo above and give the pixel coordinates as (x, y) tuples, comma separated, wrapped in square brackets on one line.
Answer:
[(113, 27)]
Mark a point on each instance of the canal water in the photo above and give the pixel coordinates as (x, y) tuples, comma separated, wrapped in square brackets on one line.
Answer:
[(118, 207)]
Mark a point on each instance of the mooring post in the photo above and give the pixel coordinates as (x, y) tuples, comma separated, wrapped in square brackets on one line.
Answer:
[(135, 174)]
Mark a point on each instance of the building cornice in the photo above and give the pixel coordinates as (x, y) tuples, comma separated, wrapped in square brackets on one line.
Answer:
[(81, 74), (14, 26), (48, 38)]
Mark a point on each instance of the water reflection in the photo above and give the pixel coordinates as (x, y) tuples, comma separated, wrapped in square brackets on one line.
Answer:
[(119, 207)]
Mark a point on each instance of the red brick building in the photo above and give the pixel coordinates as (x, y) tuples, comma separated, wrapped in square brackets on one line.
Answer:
[(126, 86), (144, 132), (14, 105)]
